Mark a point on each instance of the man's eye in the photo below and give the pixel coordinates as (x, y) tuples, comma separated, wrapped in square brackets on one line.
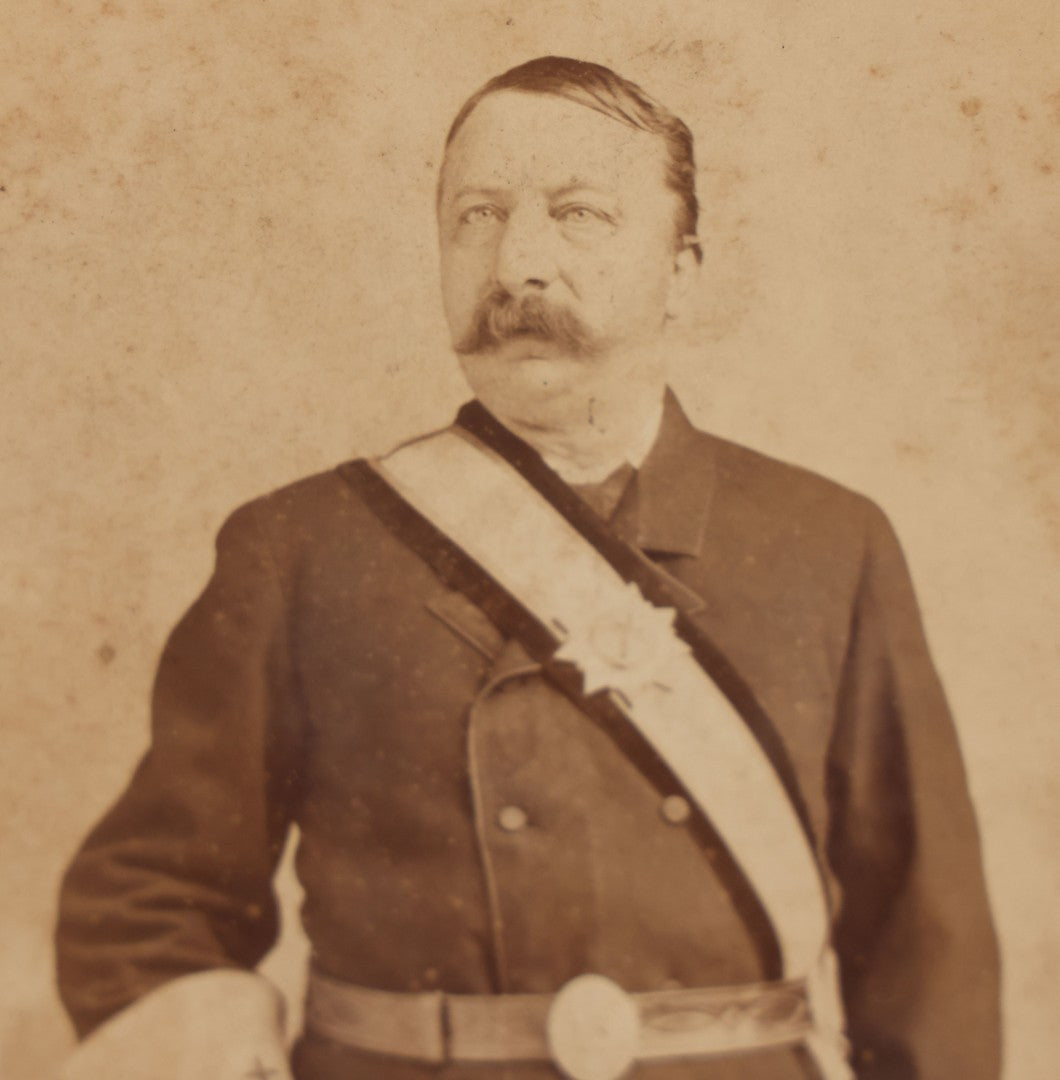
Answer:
[(581, 215), (480, 215)]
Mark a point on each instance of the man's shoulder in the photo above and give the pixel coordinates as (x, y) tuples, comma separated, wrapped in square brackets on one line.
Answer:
[(319, 490), (335, 492), (755, 490), (302, 511), (735, 478), (757, 474)]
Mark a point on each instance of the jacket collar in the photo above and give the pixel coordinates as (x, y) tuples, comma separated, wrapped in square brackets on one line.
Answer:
[(675, 487)]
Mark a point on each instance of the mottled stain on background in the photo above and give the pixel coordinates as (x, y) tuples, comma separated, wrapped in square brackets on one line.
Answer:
[(1052, 102), (219, 273)]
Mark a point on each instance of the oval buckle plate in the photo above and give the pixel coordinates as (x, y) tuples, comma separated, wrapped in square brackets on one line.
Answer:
[(593, 1029)]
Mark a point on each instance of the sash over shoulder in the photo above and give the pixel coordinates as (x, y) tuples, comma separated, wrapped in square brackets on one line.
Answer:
[(493, 520)]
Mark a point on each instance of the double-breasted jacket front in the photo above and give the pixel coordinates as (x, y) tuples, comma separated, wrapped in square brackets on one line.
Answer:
[(466, 827)]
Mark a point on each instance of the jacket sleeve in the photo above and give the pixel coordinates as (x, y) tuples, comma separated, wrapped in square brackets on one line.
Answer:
[(914, 934), (177, 877)]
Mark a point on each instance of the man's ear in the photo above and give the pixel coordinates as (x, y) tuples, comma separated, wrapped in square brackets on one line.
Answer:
[(684, 277)]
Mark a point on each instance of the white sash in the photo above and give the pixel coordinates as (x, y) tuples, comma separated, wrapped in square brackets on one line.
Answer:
[(619, 641)]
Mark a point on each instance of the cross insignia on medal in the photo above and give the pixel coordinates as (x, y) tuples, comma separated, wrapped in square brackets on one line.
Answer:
[(624, 646)]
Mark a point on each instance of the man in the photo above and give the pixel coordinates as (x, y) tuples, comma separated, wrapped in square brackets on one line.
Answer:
[(615, 748)]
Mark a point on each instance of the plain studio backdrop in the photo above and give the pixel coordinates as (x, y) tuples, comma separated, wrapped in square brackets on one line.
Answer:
[(218, 273)]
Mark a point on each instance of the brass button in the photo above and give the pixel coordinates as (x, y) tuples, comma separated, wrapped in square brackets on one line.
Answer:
[(675, 809), (512, 818)]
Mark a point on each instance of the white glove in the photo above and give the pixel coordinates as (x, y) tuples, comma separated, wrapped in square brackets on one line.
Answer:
[(214, 1025)]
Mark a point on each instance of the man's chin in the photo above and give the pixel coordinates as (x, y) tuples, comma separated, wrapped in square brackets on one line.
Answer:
[(515, 379)]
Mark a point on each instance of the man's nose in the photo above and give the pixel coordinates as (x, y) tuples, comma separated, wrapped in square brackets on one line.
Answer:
[(526, 255)]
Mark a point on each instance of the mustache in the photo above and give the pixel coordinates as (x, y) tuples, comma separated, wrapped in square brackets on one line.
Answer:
[(500, 317)]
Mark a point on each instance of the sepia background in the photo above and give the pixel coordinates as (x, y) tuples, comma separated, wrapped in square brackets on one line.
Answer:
[(218, 272)]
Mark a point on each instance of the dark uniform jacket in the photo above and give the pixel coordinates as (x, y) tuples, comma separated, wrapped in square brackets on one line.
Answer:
[(466, 827)]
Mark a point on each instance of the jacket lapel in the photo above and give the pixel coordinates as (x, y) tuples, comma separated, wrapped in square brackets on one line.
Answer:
[(669, 503)]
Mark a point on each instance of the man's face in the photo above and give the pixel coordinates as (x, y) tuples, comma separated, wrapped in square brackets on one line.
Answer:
[(557, 238)]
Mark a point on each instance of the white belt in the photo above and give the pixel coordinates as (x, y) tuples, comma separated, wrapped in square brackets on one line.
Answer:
[(590, 1030)]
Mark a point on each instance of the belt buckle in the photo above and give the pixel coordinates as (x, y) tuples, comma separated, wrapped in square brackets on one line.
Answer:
[(593, 1029)]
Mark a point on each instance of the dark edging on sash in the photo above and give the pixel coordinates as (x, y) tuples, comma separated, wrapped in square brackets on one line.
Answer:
[(461, 573), (631, 566)]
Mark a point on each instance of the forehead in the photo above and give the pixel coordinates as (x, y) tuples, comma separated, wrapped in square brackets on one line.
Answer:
[(516, 139)]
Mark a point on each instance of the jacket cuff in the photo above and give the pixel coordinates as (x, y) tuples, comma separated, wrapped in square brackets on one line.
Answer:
[(212, 1025)]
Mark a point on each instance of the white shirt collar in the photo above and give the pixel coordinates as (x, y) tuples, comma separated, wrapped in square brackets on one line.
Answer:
[(635, 452)]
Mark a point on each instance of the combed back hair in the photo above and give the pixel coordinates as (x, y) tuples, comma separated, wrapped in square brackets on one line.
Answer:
[(597, 87)]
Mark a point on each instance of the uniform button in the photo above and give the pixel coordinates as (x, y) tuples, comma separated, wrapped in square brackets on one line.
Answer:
[(512, 818), (675, 809)]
